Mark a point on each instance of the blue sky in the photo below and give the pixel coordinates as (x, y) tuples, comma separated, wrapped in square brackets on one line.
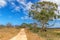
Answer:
[(16, 11)]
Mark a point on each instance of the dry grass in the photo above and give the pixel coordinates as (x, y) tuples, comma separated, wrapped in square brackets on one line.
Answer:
[(51, 34), (7, 33), (32, 36)]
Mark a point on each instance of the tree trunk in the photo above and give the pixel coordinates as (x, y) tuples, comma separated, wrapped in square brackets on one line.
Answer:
[(44, 28)]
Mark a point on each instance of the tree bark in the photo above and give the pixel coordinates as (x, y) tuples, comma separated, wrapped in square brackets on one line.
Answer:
[(43, 28)]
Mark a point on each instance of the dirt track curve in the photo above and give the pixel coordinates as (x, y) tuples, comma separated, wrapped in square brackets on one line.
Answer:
[(21, 36), (26, 35)]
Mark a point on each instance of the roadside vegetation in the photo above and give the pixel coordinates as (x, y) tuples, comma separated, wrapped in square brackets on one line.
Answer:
[(8, 31), (50, 34)]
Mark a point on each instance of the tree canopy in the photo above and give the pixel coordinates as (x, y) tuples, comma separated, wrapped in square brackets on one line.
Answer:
[(43, 12)]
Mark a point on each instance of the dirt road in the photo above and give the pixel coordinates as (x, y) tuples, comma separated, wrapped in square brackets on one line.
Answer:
[(26, 35), (21, 36)]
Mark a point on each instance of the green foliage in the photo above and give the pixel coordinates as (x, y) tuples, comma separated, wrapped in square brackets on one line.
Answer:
[(58, 33), (43, 12), (58, 16)]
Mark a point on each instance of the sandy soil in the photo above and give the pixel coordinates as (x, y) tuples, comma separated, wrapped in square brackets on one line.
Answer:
[(26, 35), (21, 36)]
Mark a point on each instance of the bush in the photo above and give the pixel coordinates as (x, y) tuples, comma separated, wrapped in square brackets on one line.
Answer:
[(58, 33)]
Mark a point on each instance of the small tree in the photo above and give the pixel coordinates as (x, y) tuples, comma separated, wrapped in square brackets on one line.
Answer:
[(43, 12), (8, 25), (2, 26), (24, 25), (35, 26)]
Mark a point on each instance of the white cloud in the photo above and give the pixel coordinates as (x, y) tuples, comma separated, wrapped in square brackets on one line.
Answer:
[(22, 18), (27, 5), (13, 4), (17, 8), (21, 1), (2, 3), (25, 18), (22, 4)]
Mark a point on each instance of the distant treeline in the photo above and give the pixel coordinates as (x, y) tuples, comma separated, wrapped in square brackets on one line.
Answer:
[(23, 25)]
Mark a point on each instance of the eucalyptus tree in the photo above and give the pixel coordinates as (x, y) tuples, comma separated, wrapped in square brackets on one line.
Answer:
[(34, 26), (44, 12)]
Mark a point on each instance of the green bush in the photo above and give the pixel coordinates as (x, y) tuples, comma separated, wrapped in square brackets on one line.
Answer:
[(58, 34)]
